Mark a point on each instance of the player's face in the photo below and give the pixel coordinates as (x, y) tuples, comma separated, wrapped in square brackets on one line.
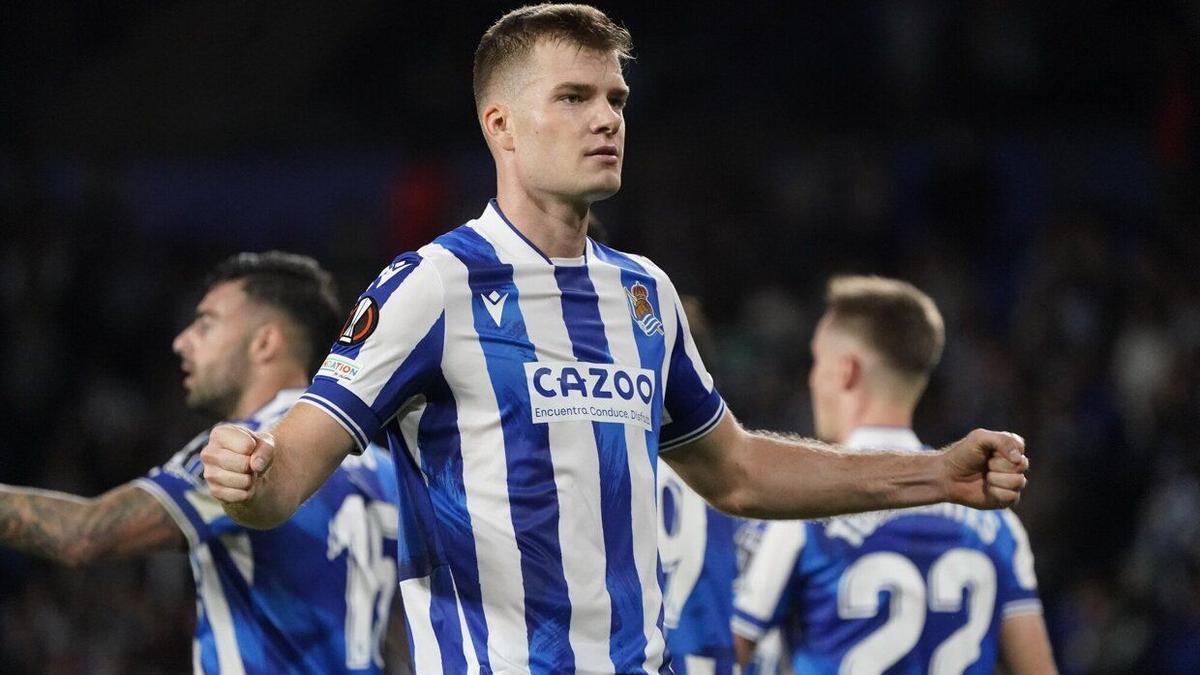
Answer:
[(824, 382), (214, 350), (568, 122)]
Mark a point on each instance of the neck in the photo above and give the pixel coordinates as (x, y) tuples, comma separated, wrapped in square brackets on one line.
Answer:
[(260, 390), (876, 413), (557, 227)]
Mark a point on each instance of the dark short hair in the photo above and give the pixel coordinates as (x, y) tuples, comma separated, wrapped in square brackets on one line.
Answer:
[(294, 284), (515, 35), (893, 317)]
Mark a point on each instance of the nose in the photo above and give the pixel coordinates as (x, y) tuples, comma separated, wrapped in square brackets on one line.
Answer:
[(608, 119), (177, 345)]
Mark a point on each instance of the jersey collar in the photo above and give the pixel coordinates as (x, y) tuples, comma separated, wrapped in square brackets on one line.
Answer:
[(498, 229), (275, 408), (884, 438)]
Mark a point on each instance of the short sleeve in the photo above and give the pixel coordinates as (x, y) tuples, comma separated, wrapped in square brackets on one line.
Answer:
[(693, 406), (387, 351), (762, 596), (179, 486), (1016, 582)]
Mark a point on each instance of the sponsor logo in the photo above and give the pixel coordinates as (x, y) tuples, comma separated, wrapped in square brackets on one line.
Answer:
[(391, 271), (494, 303), (642, 310), (599, 392), (362, 322), (340, 368)]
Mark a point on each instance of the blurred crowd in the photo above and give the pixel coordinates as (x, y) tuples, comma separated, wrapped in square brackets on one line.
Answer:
[(1061, 248)]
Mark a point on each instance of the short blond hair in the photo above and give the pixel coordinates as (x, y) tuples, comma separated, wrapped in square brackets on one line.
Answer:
[(893, 317), (512, 38)]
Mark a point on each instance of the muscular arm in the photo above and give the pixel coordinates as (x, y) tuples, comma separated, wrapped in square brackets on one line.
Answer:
[(757, 475), (1025, 646), (74, 531), (302, 451)]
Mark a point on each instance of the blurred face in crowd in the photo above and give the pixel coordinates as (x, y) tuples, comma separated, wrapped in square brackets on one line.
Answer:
[(566, 120), (214, 349), (828, 379)]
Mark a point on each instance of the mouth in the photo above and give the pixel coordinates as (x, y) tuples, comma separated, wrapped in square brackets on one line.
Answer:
[(608, 152)]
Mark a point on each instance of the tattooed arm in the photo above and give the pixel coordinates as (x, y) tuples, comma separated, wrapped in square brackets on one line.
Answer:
[(76, 531)]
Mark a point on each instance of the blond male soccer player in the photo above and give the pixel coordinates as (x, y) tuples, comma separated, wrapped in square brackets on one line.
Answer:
[(313, 595), (533, 377), (935, 589)]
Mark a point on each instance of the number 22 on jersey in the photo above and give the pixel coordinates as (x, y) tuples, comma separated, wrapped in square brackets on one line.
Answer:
[(911, 597)]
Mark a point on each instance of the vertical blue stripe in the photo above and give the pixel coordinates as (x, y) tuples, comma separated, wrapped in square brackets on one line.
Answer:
[(442, 463), (207, 642), (532, 492), (443, 616), (652, 351), (254, 631), (421, 364), (585, 327)]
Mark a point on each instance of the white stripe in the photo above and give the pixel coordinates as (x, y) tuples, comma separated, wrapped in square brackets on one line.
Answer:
[(220, 619), (469, 655), (745, 628), (485, 477), (614, 314), (760, 588), (427, 651), (576, 462), (699, 665), (410, 426), (1021, 607), (645, 542)]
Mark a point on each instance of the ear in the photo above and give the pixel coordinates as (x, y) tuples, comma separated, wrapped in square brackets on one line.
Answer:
[(267, 344), (850, 371), (496, 120)]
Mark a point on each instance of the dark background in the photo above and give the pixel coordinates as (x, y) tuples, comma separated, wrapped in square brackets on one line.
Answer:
[(1033, 166)]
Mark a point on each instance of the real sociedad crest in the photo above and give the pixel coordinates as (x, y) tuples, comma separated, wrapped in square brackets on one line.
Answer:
[(642, 310)]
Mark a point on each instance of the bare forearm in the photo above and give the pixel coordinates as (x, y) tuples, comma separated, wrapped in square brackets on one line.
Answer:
[(73, 530), (787, 478), (304, 448)]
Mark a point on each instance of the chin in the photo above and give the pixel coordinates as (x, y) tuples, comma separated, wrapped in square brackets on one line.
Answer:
[(603, 190)]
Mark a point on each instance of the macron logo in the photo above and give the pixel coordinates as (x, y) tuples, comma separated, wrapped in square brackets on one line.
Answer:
[(494, 302), (391, 271)]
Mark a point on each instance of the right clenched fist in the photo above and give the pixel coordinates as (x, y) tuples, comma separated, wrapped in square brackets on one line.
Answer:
[(234, 460)]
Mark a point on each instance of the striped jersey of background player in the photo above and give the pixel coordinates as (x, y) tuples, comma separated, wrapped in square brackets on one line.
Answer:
[(938, 589), (531, 378), (313, 595)]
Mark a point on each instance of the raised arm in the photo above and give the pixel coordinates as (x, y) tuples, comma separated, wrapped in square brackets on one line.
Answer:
[(262, 478), (75, 531), (759, 475)]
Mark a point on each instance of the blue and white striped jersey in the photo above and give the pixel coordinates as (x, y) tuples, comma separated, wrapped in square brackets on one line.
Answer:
[(920, 590), (699, 549), (310, 596), (526, 400)]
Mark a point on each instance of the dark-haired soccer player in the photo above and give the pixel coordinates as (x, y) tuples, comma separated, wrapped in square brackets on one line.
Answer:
[(933, 589), (534, 376), (312, 596)]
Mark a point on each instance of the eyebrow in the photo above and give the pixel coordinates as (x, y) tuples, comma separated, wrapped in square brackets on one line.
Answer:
[(581, 88)]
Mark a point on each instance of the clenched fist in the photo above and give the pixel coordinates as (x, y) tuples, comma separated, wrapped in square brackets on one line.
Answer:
[(986, 470), (235, 460)]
